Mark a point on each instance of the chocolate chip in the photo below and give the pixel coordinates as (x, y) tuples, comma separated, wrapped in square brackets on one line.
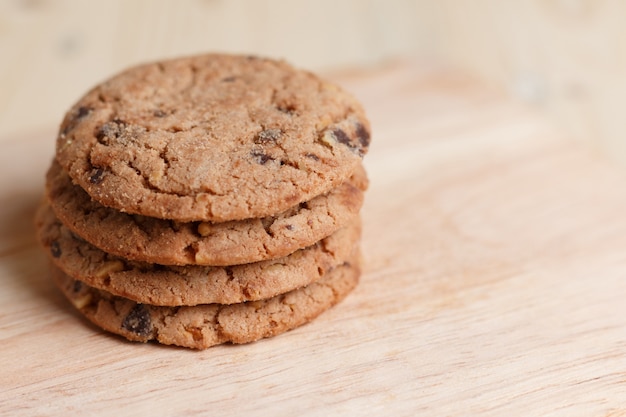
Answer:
[(312, 156), (96, 176), (68, 127), (287, 108), (55, 249), (159, 113), (112, 129), (138, 321), (101, 133), (363, 135), (83, 111), (229, 273), (290, 227), (268, 135), (342, 137), (77, 286), (261, 157)]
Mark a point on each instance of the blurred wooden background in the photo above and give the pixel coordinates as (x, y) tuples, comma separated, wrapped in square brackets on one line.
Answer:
[(567, 58)]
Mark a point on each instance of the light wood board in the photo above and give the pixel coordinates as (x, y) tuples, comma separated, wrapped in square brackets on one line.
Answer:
[(494, 284)]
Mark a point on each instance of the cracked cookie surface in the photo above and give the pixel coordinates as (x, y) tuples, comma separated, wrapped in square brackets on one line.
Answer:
[(206, 325), (241, 241), (192, 284), (212, 138)]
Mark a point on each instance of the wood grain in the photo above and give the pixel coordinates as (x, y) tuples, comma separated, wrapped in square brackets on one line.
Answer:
[(53, 51), (494, 284), (565, 57)]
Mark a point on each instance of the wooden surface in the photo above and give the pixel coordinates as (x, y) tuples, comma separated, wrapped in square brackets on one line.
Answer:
[(52, 51), (565, 57), (494, 284)]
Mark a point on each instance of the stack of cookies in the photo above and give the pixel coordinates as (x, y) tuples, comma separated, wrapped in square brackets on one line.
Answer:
[(207, 199)]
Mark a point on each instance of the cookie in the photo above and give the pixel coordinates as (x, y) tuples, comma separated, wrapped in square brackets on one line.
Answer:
[(192, 284), (166, 242), (212, 138), (205, 325)]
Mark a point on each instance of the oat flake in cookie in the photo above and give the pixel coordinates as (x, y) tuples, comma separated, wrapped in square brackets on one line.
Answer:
[(212, 138)]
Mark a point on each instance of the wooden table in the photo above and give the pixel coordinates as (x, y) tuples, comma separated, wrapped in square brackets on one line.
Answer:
[(494, 284)]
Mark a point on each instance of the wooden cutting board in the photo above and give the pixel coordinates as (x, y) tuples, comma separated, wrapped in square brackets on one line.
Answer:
[(494, 284)]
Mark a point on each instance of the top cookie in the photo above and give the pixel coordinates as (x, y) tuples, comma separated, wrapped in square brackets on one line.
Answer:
[(213, 138)]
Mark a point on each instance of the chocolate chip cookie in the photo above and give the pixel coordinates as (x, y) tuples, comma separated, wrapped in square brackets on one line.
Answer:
[(192, 284), (205, 325), (161, 241), (212, 138)]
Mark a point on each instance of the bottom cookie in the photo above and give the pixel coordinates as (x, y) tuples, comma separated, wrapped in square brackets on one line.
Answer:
[(206, 325)]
